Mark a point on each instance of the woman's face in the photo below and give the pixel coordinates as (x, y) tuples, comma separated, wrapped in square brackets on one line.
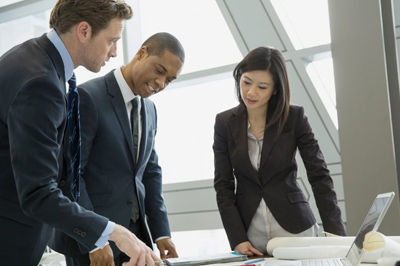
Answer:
[(257, 88)]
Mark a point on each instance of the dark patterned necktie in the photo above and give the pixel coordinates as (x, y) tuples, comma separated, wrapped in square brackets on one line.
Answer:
[(135, 135), (74, 136), (135, 125)]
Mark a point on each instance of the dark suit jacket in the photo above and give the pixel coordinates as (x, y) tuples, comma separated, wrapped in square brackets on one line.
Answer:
[(275, 181), (108, 168), (32, 123)]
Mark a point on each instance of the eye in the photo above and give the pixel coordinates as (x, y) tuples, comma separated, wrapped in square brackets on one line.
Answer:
[(263, 88), (158, 71), (246, 82)]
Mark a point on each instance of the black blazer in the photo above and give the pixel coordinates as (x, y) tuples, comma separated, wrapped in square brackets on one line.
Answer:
[(109, 173), (275, 181), (33, 119)]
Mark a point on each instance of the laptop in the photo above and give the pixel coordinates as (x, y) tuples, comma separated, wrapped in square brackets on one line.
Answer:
[(356, 252)]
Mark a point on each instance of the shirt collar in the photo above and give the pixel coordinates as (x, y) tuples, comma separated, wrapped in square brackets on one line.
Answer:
[(66, 58), (251, 135), (126, 91)]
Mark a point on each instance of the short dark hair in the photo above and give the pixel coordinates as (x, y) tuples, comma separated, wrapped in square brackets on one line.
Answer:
[(160, 42), (98, 13), (272, 60)]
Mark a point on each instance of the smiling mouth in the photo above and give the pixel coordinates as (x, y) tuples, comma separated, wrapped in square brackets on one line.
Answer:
[(152, 89)]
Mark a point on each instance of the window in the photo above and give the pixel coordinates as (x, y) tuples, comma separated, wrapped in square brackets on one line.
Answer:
[(22, 29), (185, 133), (306, 22), (8, 2), (200, 27), (321, 74), (186, 114)]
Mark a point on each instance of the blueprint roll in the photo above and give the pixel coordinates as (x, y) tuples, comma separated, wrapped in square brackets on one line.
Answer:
[(297, 248), (387, 249), (300, 242)]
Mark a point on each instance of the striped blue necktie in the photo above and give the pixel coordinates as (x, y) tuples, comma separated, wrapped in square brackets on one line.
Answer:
[(74, 136)]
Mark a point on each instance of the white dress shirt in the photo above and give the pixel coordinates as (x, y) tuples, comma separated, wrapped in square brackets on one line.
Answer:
[(128, 96)]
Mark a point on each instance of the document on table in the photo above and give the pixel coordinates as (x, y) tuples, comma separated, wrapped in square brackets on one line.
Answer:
[(206, 259)]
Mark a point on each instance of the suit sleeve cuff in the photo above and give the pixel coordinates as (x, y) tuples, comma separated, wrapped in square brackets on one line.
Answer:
[(93, 250), (103, 240), (161, 237)]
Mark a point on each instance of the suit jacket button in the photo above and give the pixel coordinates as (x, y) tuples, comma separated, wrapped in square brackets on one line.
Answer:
[(62, 183), (130, 202), (83, 234), (76, 230)]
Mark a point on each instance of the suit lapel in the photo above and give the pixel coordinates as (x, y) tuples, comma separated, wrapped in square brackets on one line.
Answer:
[(268, 143), (269, 138), (238, 126), (119, 106)]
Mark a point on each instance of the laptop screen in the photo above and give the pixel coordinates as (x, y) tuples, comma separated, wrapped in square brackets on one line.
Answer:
[(371, 223)]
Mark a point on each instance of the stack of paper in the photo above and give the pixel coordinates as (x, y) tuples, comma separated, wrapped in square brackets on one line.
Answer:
[(206, 259)]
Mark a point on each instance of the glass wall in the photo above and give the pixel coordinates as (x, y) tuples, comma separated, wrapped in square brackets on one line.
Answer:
[(187, 108), (16, 31)]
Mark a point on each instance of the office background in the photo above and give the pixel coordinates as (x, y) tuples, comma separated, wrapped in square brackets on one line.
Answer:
[(343, 62)]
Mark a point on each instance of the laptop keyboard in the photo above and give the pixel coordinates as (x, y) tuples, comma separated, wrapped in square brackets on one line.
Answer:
[(322, 262)]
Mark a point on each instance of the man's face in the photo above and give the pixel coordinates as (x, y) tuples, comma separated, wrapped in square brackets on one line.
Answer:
[(152, 74), (103, 46)]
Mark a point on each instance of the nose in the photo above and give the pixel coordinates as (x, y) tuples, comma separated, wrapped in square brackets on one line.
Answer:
[(252, 90), (113, 51), (162, 83)]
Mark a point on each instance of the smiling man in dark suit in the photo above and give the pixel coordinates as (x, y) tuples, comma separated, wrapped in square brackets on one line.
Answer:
[(33, 119), (117, 173)]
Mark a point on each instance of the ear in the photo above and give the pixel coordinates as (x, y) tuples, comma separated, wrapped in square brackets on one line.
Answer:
[(84, 31), (142, 53)]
